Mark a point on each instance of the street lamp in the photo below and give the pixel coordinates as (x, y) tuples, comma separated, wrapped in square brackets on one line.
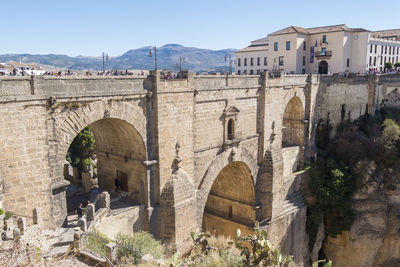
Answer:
[(105, 58), (181, 60), (229, 58), (155, 56)]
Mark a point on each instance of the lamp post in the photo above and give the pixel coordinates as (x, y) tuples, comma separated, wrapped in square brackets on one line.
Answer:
[(229, 59), (181, 60), (105, 58), (155, 56)]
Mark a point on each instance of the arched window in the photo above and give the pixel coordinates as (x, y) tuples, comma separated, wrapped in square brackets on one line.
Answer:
[(231, 129)]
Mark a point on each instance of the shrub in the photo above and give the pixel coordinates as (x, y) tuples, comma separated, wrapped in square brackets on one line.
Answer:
[(80, 149), (388, 65), (397, 65), (8, 215), (138, 244), (97, 242), (390, 135), (1, 211), (260, 251), (332, 184)]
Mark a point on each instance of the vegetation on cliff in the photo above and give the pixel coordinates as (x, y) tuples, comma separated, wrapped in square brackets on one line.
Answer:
[(369, 144)]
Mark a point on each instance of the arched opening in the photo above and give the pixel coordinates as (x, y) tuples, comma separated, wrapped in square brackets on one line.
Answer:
[(118, 152), (231, 129), (323, 67), (231, 202), (292, 135)]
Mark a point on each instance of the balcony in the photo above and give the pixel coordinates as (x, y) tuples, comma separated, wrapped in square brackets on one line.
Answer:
[(323, 54)]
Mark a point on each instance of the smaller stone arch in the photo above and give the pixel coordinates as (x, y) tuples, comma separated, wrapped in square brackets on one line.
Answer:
[(293, 123), (215, 167)]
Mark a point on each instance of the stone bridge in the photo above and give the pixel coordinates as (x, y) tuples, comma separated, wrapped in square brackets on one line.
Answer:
[(218, 152)]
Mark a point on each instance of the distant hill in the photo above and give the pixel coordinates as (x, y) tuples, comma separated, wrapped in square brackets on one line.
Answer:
[(196, 59)]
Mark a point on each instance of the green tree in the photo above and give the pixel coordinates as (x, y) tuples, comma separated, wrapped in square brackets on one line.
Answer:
[(82, 146), (390, 135), (397, 65), (332, 184), (388, 65)]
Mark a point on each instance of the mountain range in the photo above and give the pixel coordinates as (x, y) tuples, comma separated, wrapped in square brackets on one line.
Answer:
[(168, 56)]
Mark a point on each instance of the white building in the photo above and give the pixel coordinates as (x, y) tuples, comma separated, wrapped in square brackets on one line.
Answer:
[(252, 59), (329, 49)]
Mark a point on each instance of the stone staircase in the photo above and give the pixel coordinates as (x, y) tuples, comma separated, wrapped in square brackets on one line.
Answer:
[(291, 204)]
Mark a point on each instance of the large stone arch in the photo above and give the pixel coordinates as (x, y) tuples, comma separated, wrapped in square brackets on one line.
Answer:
[(231, 203), (71, 123), (215, 167), (68, 123)]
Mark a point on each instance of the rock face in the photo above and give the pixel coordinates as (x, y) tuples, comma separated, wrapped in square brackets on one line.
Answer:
[(374, 238)]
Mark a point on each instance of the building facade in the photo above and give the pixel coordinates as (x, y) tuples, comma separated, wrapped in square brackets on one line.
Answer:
[(324, 50), (252, 59)]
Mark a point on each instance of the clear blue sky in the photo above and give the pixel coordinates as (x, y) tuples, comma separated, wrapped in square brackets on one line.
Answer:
[(89, 27)]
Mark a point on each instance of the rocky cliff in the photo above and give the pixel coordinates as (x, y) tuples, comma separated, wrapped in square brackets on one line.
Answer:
[(374, 238), (370, 147)]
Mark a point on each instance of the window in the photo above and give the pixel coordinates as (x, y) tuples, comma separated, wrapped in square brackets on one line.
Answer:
[(348, 62), (370, 48), (258, 61), (238, 72), (381, 59), (231, 125), (245, 62), (281, 61), (385, 49), (304, 46), (251, 61), (397, 50), (390, 50), (304, 60), (323, 51), (245, 72), (374, 61), (384, 62), (276, 46), (303, 71), (265, 61), (251, 72), (287, 45), (258, 71), (382, 49), (376, 48), (370, 61), (238, 61), (324, 39)]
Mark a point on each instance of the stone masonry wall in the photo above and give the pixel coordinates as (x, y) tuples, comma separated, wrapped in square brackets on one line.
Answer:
[(40, 116)]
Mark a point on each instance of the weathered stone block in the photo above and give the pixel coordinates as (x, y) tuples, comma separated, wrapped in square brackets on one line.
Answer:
[(21, 222), (111, 251), (104, 200), (90, 212), (16, 234), (82, 224), (37, 216)]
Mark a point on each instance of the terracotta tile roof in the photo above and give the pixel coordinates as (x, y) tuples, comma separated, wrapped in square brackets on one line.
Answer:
[(261, 40), (332, 28), (252, 48), (395, 33)]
